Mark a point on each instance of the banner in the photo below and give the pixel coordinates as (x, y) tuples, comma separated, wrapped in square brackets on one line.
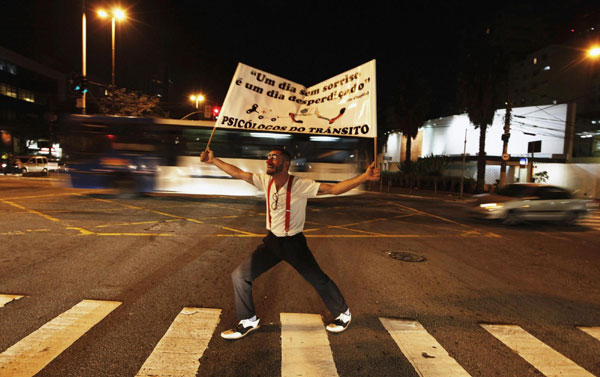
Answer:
[(344, 105)]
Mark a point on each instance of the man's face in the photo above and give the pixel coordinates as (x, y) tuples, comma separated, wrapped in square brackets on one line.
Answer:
[(275, 162)]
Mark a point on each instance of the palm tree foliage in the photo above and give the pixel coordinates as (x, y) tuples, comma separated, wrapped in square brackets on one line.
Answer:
[(481, 84)]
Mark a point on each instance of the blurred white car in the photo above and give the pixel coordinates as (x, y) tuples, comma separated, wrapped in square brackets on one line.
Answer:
[(518, 202), (35, 165)]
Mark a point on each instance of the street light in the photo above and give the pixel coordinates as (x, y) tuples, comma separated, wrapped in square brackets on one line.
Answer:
[(115, 14), (197, 98), (594, 52)]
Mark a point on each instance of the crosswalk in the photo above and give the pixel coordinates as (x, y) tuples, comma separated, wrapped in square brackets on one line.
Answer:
[(591, 220), (305, 348)]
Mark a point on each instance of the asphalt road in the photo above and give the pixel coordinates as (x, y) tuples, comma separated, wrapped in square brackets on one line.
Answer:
[(157, 255)]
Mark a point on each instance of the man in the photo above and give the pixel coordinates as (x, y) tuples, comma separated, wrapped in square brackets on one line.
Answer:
[(286, 212)]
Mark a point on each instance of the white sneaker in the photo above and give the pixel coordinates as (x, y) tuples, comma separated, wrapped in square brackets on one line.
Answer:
[(340, 324), (243, 328)]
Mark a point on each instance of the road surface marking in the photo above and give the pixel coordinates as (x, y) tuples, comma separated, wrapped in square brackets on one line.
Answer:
[(541, 356), (244, 233), (146, 209), (137, 223), (305, 349), (592, 331), (425, 354), (179, 351), (34, 352), (592, 220), (85, 232), (490, 234), (5, 299), (42, 196), (48, 217)]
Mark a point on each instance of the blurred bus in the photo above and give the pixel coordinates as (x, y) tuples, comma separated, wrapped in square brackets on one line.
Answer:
[(147, 155)]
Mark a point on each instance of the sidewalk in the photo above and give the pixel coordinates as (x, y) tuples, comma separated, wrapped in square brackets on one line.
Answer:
[(419, 193)]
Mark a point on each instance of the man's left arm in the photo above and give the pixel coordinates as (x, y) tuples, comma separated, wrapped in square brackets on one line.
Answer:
[(371, 174)]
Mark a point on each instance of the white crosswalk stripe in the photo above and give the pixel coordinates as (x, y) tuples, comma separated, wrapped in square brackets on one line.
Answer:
[(178, 352), (592, 331), (541, 356), (34, 352), (5, 299), (425, 354), (591, 220), (305, 348)]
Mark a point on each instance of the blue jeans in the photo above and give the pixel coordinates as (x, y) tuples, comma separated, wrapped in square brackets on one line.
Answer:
[(294, 250)]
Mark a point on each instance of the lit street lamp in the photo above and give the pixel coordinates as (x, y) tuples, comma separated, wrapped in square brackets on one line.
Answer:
[(594, 52), (197, 98), (115, 14)]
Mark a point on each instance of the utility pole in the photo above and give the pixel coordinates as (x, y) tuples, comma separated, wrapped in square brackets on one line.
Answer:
[(462, 173), (83, 54), (505, 137)]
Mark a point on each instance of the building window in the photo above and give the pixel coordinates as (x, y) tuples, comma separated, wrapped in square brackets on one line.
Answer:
[(8, 90), (26, 95), (8, 67)]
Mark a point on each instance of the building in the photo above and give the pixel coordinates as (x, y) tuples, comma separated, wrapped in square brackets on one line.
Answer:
[(31, 97)]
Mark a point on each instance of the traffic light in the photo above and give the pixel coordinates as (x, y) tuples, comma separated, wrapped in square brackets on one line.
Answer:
[(215, 111), (78, 84)]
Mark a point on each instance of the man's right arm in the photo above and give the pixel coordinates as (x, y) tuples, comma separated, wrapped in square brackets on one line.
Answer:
[(234, 171)]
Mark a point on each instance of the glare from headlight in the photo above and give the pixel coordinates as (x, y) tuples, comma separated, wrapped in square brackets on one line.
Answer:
[(491, 206), (3, 165)]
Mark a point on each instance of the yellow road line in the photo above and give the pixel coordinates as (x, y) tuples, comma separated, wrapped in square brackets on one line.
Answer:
[(85, 232), (179, 351), (535, 352), (34, 352), (48, 217), (134, 234), (241, 231), (441, 218), (305, 349), (148, 210), (137, 223), (43, 196), (426, 355), (5, 299)]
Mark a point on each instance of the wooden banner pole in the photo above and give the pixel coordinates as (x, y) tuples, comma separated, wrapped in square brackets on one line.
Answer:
[(375, 150), (211, 136)]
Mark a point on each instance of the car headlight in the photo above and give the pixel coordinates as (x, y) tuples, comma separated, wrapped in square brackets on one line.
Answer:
[(491, 206), (3, 165)]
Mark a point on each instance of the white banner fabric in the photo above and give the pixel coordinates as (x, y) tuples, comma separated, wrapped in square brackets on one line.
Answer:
[(344, 105)]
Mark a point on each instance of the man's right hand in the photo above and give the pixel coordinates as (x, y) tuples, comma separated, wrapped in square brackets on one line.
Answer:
[(207, 156)]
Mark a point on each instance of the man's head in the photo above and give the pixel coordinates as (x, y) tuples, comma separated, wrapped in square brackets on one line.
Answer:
[(278, 161)]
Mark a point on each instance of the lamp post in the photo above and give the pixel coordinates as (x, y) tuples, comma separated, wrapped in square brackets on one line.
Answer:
[(83, 53), (116, 14), (197, 98)]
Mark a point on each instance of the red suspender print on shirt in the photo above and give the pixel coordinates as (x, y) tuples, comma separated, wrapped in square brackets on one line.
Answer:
[(288, 200)]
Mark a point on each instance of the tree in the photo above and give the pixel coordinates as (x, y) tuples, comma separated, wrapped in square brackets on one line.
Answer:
[(129, 103), (479, 85), (408, 110)]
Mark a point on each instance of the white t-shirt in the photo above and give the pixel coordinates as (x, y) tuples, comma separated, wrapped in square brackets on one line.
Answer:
[(302, 189)]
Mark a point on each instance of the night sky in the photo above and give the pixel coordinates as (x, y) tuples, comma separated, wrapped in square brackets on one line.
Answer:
[(200, 42)]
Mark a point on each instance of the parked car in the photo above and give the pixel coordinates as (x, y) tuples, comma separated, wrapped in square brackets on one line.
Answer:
[(5, 166), (10, 166), (35, 165), (518, 202)]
